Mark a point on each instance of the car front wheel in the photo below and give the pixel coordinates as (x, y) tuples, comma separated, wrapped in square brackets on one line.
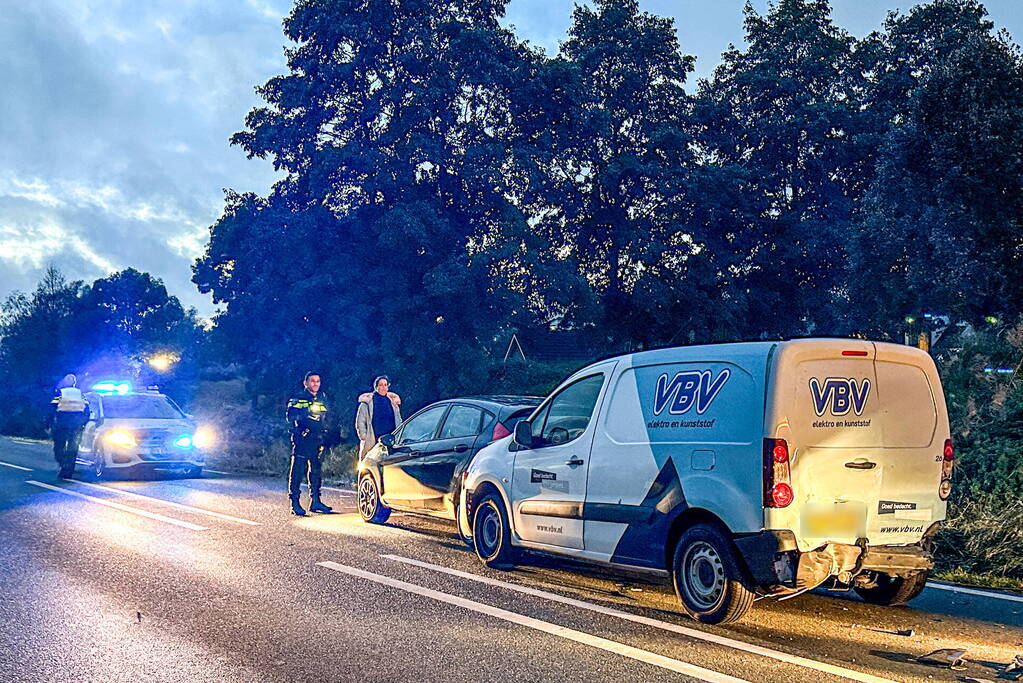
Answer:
[(491, 533), (371, 508), (707, 577)]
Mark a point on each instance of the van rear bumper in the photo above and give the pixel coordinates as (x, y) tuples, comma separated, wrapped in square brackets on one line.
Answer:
[(777, 566)]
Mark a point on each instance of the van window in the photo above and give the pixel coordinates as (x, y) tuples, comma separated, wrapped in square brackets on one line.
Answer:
[(909, 417), (569, 412)]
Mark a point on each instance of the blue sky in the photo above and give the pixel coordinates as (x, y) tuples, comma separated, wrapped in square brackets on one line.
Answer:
[(115, 117)]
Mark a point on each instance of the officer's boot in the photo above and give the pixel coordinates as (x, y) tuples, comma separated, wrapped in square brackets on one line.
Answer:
[(318, 506), (296, 509)]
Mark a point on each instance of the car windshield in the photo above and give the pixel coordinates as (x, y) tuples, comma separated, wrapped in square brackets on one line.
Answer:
[(140, 406)]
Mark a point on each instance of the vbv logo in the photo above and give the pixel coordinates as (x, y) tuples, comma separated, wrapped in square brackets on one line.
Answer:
[(688, 389), (842, 393)]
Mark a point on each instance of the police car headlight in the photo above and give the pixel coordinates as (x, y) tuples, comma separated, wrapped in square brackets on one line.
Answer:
[(120, 438), (183, 441), (204, 437)]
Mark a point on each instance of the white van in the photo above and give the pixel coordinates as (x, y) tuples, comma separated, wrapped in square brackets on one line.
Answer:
[(743, 470)]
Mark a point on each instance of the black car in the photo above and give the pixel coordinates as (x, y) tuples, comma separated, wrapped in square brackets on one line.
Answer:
[(419, 467)]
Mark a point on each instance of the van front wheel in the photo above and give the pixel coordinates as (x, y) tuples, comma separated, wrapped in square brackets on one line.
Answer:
[(893, 590), (707, 578), (491, 533)]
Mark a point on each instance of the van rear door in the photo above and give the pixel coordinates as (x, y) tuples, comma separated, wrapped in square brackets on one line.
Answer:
[(865, 425)]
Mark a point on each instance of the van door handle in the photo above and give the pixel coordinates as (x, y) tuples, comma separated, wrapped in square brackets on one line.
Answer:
[(574, 462), (861, 464)]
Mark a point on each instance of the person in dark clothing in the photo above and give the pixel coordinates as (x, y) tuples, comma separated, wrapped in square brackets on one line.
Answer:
[(308, 420), (67, 420), (383, 410)]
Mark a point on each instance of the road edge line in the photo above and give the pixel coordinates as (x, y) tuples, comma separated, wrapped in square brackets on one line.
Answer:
[(118, 506), (182, 506)]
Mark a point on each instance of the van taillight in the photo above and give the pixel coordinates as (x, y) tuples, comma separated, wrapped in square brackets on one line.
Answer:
[(854, 353), (500, 431), (947, 461), (777, 480)]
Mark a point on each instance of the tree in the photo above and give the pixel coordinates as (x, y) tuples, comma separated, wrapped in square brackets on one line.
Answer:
[(784, 129), (372, 254), (609, 244), (941, 225)]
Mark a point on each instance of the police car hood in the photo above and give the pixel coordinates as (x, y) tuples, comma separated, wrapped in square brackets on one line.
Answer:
[(178, 424)]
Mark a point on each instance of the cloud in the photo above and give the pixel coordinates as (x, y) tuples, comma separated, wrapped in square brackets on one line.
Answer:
[(115, 132)]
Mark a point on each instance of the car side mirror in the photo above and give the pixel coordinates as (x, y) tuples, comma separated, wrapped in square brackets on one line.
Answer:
[(387, 440), (523, 434)]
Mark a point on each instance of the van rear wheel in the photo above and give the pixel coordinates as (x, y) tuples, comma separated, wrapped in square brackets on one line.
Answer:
[(893, 590), (708, 581)]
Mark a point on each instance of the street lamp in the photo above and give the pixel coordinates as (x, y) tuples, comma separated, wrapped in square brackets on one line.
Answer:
[(162, 362)]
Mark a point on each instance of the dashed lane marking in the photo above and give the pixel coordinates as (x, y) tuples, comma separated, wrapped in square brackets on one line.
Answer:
[(118, 506), (668, 663), (665, 625), (17, 467), (162, 501)]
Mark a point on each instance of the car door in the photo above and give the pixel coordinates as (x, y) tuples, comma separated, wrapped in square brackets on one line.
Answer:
[(444, 456), (401, 469), (89, 433), (549, 479)]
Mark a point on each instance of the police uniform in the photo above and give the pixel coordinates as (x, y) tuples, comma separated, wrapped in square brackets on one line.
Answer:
[(308, 421), (70, 413)]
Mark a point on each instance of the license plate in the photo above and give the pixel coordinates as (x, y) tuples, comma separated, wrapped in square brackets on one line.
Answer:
[(839, 521)]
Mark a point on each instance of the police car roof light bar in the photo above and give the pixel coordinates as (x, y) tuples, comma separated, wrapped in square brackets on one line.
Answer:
[(111, 387)]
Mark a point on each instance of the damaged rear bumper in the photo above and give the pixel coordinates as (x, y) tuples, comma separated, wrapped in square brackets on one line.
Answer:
[(777, 566)]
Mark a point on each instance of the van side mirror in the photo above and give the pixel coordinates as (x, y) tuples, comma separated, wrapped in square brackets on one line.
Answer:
[(523, 434), (387, 440)]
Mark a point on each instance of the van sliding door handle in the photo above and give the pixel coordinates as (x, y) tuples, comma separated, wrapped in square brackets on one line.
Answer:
[(574, 462), (861, 464)]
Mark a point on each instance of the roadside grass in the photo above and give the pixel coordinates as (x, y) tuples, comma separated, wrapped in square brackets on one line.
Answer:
[(339, 464)]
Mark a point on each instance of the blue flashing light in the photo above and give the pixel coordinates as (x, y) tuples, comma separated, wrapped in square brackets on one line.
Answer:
[(112, 387), (183, 441), (1004, 371)]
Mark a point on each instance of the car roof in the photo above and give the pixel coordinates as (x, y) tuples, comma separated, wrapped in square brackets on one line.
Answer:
[(503, 400)]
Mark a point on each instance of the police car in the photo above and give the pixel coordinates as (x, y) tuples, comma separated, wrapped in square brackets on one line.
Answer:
[(135, 432), (739, 470)]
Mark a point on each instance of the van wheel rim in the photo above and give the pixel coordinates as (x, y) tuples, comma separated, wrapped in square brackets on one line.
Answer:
[(703, 575), (367, 498), (489, 531)]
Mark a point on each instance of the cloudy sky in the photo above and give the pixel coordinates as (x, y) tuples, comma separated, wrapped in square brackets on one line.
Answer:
[(115, 116)]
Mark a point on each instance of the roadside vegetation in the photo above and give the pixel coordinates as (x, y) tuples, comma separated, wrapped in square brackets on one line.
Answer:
[(468, 214)]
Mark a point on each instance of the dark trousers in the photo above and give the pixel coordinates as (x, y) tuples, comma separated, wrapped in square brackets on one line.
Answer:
[(305, 464), (65, 447)]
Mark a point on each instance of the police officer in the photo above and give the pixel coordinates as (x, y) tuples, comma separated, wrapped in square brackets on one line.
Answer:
[(68, 418), (307, 419)]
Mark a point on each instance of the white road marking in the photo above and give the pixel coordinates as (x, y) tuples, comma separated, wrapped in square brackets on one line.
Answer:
[(118, 506), (974, 591), (218, 472), (539, 625), (667, 626), (172, 503), (334, 488), (17, 467)]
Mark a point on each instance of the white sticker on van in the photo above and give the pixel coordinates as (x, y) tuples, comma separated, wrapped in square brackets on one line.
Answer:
[(688, 389), (842, 393)]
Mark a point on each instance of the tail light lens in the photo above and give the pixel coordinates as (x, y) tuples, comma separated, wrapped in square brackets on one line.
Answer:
[(500, 431), (947, 461), (777, 474)]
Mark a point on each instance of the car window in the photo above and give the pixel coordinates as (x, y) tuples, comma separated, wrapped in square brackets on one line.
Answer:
[(569, 412), (462, 421), (422, 427)]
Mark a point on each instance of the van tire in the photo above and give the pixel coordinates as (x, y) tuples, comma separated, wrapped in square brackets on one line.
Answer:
[(709, 582), (893, 590), (491, 533)]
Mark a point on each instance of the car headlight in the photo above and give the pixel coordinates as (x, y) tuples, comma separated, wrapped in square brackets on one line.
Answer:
[(120, 438), (183, 441), (204, 437)]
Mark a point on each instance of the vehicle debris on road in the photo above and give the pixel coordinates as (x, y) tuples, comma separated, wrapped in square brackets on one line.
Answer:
[(953, 658)]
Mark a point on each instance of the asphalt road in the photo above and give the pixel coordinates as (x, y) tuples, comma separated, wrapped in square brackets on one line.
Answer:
[(212, 579)]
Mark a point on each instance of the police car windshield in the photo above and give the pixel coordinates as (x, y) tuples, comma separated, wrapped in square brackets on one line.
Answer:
[(140, 406)]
